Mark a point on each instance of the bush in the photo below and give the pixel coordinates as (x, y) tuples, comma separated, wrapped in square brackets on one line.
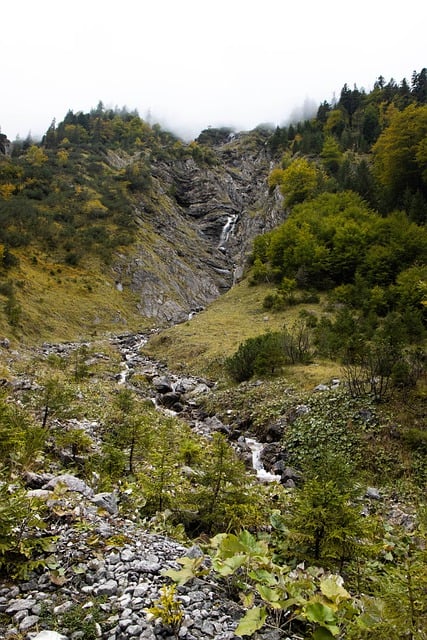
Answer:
[(260, 355), (21, 524), (266, 354)]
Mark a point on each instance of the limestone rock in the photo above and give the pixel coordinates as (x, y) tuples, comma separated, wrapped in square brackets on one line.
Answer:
[(72, 483), (107, 501), (49, 635)]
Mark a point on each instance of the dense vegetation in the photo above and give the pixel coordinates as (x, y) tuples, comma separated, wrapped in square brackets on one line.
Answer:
[(354, 249), (355, 230), (71, 188), (72, 202)]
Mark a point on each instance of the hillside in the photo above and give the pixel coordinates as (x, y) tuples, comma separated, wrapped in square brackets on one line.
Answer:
[(164, 228)]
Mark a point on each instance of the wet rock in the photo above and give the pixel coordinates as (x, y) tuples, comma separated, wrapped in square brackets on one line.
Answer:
[(274, 432), (162, 384), (271, 454), (169, 399)]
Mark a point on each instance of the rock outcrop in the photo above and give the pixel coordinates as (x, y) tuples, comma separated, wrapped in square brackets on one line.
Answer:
[(196, 230), (5, 145)]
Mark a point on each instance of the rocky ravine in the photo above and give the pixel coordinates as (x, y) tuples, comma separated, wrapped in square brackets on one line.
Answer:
[(196, 231), (105, 570), (110, 572)]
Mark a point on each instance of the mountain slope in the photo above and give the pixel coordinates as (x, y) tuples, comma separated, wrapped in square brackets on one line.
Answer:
[(153, 226)]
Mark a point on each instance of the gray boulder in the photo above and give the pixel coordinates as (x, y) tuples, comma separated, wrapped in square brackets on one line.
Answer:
[(72, 483)]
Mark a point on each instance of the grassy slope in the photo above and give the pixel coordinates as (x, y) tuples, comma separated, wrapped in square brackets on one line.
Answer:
[(60, 303), (201, 344)]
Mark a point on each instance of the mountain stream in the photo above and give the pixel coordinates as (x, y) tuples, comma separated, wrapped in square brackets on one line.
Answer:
[(175, 395)]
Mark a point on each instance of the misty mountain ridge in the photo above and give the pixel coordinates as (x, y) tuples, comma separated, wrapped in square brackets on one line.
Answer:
[(170, 225)]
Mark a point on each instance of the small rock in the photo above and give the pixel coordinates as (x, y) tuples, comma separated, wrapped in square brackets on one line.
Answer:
[(140, 590), (28, 622), (49, 635), (134, 630), (321, 387), (289, 484), (42, 494), (194, 552), (162, 384), (373, 493), (107, 501), (207, 628), (21, 605), (124, 623), (127, 555), (62, 608), (109, 588), (72, 483), (113, 558), (37, 480)]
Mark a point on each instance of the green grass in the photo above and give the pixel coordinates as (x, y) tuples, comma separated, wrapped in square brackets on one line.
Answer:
[(201, 345), (59, 302)]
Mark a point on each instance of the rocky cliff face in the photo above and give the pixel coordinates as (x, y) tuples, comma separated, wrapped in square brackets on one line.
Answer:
[(5, 145), (197, 227)]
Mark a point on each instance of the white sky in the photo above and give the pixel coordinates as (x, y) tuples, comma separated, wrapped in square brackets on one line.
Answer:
[(196, 63)]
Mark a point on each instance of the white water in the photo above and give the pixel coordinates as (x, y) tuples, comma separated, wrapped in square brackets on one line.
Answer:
[(227, 230), (262, 474), (131, 355)]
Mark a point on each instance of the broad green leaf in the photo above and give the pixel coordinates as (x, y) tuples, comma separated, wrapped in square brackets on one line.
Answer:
[(270, 595), (190, 569), (182, 576), (230, 546), (276, 521), (263, 576), (331, 588), (247, 599), (247, 538), (253, 620), (251, 545), (217, 540), (318, 612), (228, 566), (79, 569)]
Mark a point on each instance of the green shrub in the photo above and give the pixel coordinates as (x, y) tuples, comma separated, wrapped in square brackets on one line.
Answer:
[(21, 525), (262, 355)]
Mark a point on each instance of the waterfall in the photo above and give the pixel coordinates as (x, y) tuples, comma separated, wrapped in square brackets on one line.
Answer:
[(227, 230), (130, 355), (262, 474)]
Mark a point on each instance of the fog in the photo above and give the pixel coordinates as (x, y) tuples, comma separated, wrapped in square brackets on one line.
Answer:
[(192, 64)]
